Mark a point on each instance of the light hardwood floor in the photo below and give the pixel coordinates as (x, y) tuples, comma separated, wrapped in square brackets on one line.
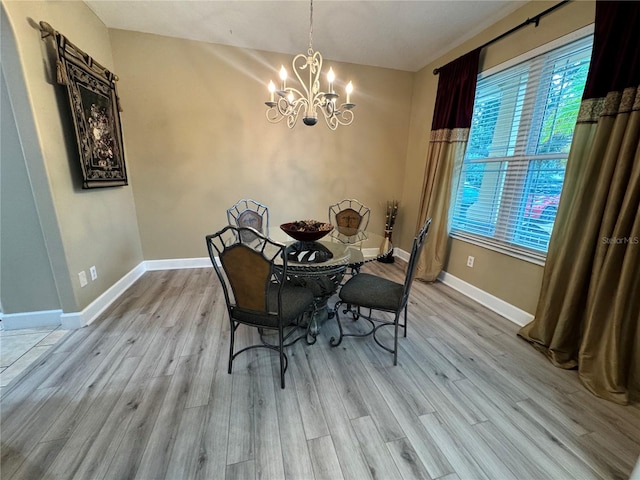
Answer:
[(143, 392)]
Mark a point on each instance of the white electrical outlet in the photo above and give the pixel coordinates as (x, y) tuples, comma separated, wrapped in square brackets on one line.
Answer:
[(93, 272), (83, 278), (470, 261)]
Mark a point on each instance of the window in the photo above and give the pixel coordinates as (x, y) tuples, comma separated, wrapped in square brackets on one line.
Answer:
[(513, 169)]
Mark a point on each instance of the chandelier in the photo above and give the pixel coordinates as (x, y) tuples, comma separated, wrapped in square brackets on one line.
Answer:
[(291, 102)]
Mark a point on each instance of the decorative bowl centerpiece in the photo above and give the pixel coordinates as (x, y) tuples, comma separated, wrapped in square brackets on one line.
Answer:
[(307, 233), (306, 230)]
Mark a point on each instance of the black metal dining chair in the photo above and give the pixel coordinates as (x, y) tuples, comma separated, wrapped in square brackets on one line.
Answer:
[(249, 213), (371, 292), (349, 218), (253, 275)]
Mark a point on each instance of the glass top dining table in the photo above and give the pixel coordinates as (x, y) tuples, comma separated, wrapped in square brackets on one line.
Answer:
[(322, 275)]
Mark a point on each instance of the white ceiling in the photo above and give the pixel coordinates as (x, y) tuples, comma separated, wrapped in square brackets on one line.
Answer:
[(404, 35)]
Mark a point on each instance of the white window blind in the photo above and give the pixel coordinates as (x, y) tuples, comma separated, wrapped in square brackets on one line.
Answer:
[(521, 132)]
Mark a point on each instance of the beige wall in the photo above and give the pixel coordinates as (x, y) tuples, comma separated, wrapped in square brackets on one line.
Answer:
[(81, 228), (510, 279), (198, 140)]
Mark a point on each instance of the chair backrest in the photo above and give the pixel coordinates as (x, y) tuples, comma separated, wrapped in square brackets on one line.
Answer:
[(248, 270), (349, 217), (416, 250), (249, 213)]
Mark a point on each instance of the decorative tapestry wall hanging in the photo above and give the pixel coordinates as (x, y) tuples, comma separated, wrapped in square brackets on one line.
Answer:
[(95, 111)]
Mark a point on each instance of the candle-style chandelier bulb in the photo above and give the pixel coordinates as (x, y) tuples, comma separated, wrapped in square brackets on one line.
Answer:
[(331, 78), (349, 89), (272, 89)]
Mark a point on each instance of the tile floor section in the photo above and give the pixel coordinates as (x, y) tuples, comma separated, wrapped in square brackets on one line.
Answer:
[(20, 348)]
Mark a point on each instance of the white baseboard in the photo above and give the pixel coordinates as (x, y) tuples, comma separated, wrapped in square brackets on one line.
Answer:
[(401, 254), (177, 263), (510, 312), (73, 320), (94, 309), (45, 318)]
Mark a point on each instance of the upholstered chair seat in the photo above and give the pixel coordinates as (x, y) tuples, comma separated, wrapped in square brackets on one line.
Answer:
[(295, 301), (375, 292)]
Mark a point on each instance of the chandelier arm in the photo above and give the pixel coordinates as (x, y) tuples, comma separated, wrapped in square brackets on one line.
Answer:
[(319, 103), (301, 67), (295, 91), (283, 106), (295, 112), (335, 117), (329, 108), (316, 68), (318, 99), (299, 104), (273, 115), (346, 117), (291, 121)]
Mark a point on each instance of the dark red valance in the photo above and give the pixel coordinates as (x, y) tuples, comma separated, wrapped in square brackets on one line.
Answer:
[(456, 92), (615, 61)]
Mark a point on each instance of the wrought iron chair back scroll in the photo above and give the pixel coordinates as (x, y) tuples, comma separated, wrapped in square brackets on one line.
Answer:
[(371, 292), (349, 218), (249, 213), (252, 274)]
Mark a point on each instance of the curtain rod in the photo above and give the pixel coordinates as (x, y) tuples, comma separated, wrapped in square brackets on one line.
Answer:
[(46, 30), (528, 21)]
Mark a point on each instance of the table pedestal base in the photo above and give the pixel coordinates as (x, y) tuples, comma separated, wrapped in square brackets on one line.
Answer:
[(323, 285)]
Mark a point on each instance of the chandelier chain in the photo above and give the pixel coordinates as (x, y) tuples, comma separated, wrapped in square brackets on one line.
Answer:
[(311, 29)]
